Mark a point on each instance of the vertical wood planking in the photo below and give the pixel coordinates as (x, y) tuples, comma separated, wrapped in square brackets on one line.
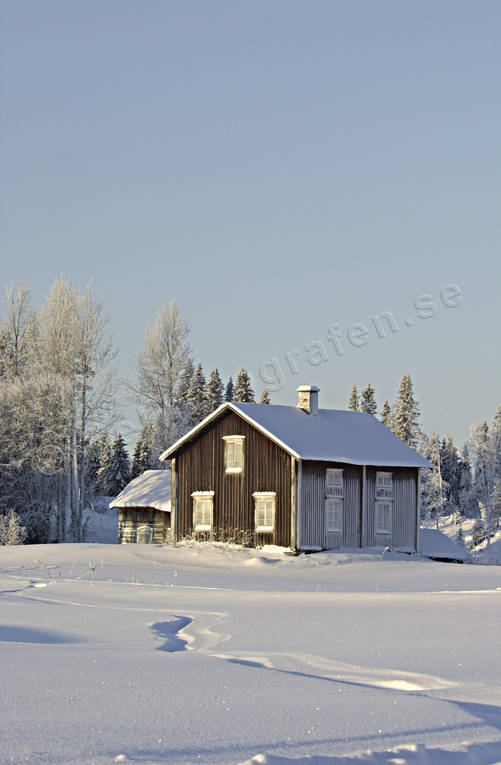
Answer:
[(314, 532), (267, 467)]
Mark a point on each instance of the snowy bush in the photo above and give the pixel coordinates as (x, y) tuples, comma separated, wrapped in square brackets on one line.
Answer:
[(11, 531), (478, 532)]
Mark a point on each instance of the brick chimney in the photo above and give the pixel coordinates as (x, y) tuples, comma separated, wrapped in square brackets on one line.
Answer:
[(307, 398)]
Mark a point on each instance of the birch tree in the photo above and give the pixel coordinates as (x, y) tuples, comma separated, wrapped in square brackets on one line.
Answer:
[(16, 329), (73, 346), (165, 353)]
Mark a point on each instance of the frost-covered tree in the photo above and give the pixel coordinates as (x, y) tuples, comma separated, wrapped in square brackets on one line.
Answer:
[(386, 414), (11, 530), (368, 400), (478, 532), (353, 401), (197, 396), (496, 504), (495, 442), (65, 357), (163, 359), (229, 390), (215, 390), (118, 469), (433, 487), (460, 536), (243, 389), (17, 330), (265, 397), (406, 414), (483, 448)]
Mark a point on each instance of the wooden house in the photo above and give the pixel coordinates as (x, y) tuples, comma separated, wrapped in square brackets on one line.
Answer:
[(296, 476), (144, 508)]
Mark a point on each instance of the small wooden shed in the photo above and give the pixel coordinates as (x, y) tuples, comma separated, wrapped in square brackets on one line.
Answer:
[(144, 508)]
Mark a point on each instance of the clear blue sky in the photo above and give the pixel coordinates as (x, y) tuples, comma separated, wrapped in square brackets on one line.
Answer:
[(277, 167)]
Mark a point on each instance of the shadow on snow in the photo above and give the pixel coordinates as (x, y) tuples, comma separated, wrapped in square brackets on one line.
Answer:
[(169, 631)]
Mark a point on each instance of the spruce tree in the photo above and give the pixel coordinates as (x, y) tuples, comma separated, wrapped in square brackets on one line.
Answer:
[(135, 468), (93, 464), (228, 393), (368, 400), (243, 388), (183, 385), (118, 471), (214, 391), (196, 397), (406, 413), (104, 459), (495, 442), (386, 414), (265, 397), (353, 400)]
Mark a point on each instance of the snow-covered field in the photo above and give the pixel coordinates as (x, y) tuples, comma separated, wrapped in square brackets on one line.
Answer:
[(203, 654)]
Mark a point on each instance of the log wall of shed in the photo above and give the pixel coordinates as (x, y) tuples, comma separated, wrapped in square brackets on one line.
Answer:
[(267, 467), (130, 519)]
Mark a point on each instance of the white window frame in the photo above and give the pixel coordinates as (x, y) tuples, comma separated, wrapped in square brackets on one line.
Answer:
[(380, 525), (334, 482), (339, 504), (203, 496), (233, 440), (265, 496), (384, 485)]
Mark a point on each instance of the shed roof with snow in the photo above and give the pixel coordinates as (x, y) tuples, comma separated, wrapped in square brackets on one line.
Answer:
[(150, 489), (437, 545), (331, 435)]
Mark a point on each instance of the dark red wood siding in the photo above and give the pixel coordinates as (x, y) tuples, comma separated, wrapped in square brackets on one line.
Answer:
[(267, 467)]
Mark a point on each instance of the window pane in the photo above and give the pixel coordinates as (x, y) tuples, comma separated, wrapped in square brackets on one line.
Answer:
[(334, 514), (383, 519), (234, 451), (264, 513), (334, 477), (203, 512)]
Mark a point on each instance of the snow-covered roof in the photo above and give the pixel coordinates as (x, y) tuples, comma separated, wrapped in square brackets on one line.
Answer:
[(333, 435), (150, 489), (435, 544)]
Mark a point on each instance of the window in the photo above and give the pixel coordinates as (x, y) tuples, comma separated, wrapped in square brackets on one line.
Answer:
[(203, 504), (264, 510), (383, 517), (334, 514), (384, 485), (234, 453), (334, 482)]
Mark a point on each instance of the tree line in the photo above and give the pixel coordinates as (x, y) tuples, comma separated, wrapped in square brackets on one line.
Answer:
[(465, 482), (59, 406)]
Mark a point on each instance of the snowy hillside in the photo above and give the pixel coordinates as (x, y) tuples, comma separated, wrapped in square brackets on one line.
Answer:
[(209, 654), (481, 553)]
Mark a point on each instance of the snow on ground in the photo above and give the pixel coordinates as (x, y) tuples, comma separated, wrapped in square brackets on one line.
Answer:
[(149, 654)]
